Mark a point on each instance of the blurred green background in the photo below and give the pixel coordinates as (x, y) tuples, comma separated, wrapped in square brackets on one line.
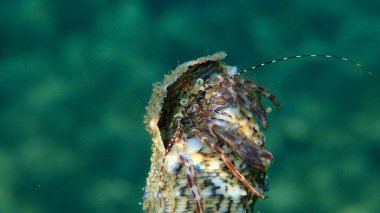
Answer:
[(75, 77)]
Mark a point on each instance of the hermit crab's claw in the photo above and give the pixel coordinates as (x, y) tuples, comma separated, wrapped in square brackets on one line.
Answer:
[(247, 150), (254, 155)]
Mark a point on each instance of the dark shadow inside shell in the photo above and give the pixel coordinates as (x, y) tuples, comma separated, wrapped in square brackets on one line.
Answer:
[(180, 89)]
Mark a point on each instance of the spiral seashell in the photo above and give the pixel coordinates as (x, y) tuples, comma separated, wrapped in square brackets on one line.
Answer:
[(208, 150)]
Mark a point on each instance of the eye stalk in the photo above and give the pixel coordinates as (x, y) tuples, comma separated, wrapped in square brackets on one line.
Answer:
[(200, 81), (184, 102)]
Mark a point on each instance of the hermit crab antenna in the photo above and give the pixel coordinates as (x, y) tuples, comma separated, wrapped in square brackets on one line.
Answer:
[(284, 59), (300, 56)]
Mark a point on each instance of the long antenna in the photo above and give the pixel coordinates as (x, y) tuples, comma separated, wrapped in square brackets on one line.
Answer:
[(284, 59), (300, 56)]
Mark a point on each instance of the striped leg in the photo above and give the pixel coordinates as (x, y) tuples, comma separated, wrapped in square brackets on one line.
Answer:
[(216, 119), (190, 173), (261, 90), (217, 110), (211, 143), (168, 148), (250, 103)]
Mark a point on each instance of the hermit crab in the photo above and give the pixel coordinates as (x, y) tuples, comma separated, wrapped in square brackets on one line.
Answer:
[(209, 152)]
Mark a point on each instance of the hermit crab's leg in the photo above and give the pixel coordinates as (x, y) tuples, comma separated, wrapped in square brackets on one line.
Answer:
[(251, 104), (186, 160), (217, 110), (250, 152), (211, 143), (168, 148), (238, 175), (214, 95), (219, 99), (253, 87), (216, 119)]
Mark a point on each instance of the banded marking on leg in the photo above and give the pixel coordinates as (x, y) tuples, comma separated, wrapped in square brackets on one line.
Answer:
[(218, 111), (215, 118), (260, 89), (168, 148), (190, 173), (207, 140)]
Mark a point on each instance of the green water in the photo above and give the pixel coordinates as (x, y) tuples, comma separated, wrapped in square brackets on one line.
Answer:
[(75, 77)]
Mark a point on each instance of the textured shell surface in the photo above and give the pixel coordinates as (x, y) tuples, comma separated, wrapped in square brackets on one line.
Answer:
[(208, 152)]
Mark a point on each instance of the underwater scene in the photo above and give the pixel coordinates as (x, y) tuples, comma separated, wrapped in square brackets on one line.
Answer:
[(76, 77)]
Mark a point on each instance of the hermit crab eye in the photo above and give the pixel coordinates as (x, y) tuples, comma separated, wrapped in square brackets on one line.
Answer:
[(200, 81), (184, 102)]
